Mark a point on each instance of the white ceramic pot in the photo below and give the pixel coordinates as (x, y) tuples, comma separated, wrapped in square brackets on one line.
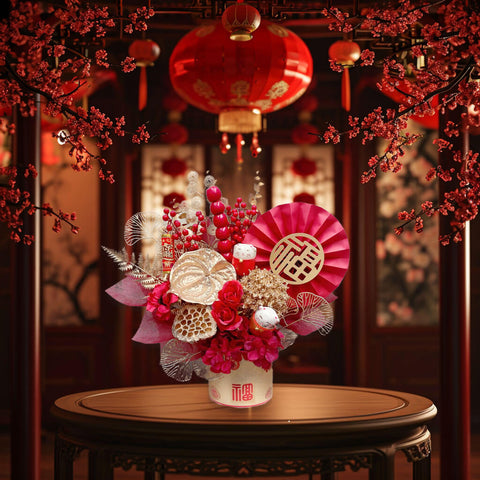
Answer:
[(247, 386)]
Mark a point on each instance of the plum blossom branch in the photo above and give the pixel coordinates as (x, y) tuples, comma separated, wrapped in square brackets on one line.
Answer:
[(41, 53), (445, 36)]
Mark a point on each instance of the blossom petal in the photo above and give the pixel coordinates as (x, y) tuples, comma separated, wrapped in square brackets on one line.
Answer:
[(151, 331)]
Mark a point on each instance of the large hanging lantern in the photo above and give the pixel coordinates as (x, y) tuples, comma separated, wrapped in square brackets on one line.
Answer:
[(240, 81)]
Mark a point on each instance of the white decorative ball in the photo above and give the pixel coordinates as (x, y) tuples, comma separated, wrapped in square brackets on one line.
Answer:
[(266, 317), (244, 251)]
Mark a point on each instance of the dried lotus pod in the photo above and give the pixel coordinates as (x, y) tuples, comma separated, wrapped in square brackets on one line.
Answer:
[(193, 322), (198, 276)]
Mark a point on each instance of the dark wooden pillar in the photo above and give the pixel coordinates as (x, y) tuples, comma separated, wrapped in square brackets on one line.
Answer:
[(454, 337), (25, 321)]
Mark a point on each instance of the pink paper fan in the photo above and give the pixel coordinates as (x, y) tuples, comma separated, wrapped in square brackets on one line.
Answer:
[(310, 247)]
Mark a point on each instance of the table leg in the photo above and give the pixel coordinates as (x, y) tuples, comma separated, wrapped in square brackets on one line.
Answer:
[(383, 467), (328, 476), (149, 475), (63, 464), (422, 469), (328, 473), (99, 466)]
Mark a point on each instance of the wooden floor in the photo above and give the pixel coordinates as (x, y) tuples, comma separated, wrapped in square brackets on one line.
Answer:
[(402, 467)]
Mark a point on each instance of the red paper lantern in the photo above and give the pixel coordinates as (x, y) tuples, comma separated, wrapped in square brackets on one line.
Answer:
[(240, 20), (427, 121), (172, 102), (50, 150), (79, 90), (173, 199), (239, 81), (308, 103), (5, 111), (145, 52), (305, 134), (345, 53), (174, 133)]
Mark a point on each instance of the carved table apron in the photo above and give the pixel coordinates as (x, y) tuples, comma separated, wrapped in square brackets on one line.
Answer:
[(304, 429)]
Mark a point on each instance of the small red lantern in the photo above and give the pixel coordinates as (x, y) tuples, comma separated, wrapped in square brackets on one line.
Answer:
[(145, 52), (345, 53), (240, 20), (50, 150), (305, 134), (427, 121), (172, 102), (5, 111), (173, 199), (174, 133), (308, 103)]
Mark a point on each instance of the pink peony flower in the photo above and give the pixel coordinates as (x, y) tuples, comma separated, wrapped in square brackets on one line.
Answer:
[(159, 302)]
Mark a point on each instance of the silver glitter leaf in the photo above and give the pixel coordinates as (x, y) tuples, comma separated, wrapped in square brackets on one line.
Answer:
[(178, 359)]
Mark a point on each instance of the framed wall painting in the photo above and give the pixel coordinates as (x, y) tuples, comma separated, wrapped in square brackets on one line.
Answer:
[(407, 265), (70, 275)]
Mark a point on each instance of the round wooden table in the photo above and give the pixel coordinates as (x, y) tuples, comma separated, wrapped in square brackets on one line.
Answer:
[(304, 429)]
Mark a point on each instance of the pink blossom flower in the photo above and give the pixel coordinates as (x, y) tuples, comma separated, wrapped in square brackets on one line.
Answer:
[(128, 64)]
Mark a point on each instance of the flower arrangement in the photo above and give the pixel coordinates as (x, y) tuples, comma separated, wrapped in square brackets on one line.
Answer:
[(232, 285)]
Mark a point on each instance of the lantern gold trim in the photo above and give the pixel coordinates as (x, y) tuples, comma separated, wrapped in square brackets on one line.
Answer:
[(239, 121)]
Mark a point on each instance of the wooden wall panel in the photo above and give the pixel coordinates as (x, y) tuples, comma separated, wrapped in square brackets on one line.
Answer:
[(406, 361)]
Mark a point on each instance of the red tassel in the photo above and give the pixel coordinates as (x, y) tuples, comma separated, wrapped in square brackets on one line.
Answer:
[(142, 89), (224, 144), (346, 89), (239, 141)]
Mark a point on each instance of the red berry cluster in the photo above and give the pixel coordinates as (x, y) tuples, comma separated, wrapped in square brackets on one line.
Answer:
[(184, 239), (231, 222)]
